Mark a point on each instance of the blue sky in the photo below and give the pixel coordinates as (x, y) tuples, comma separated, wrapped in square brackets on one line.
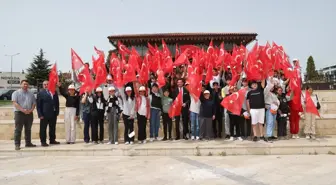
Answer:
[(303, 27)]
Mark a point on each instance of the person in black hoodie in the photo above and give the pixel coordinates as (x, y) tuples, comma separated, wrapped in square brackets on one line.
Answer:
[(217, 122), (207, 114), (282, 115), (98, 110)]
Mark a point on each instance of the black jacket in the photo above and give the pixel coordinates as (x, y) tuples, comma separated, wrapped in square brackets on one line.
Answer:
[(114, 103), (185, 96)]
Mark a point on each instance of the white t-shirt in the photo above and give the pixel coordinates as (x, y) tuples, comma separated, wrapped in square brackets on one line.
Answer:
[(194, 106), (142, 109)]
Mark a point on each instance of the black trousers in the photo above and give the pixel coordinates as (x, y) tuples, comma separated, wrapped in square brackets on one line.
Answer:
[(185, 121), (22, 120), (129, 128), (167, 124), (142, 121), (245, 128), (235, 122), (217, 126), (97, 121), (282, 126), (52, 129)]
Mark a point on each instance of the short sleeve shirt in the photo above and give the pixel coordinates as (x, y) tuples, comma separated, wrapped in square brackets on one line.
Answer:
[(25, 99)]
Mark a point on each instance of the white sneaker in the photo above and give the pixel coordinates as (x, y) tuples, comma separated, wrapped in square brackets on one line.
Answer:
[(197, 138), (193, 137), (297, 136), (109, 142), (127, 143), (131, 143), (144, 141), (140, 142), (240, 139), (307, 137), (231, 138), (116, 143), (293, 137), (151, 139)]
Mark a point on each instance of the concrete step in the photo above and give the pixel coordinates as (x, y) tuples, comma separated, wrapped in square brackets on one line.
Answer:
[(325, 126), (324, 145)]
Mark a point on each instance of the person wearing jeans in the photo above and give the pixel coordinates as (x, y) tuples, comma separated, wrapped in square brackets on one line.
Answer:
[(271, 104), (87, 101), (194, 117), (155, 112)]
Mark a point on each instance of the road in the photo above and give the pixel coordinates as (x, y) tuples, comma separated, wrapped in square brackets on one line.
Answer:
[(245, 170)]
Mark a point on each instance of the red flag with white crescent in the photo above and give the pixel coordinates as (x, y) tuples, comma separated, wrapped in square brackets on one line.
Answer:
[(53, 79), (175, 109), (123, 49), (234, 102), (310, 106), (82, 72)]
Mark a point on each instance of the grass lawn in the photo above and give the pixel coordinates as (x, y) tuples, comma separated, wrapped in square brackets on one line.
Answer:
[(5, 102)]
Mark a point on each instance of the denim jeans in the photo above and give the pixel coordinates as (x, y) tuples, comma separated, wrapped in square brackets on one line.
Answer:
[(270, 122), (154, 122), (194, 120), (87, 123)]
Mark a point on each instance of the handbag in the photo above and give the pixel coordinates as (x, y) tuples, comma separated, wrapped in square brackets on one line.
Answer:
[(318, 106)]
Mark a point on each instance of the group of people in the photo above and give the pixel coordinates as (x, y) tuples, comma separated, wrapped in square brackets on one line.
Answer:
[(201, 118)]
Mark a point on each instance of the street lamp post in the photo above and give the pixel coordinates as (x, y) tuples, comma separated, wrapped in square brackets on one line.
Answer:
[(11, 82)]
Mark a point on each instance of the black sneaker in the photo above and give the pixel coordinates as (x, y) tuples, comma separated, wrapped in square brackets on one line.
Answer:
[(30, 145), (68, 143), (227, 137), (96, 142), (54, 143), (178, 138), (44, 145), (265, 139), (164, 139), (17, 147), (171, 139), (255, 138)]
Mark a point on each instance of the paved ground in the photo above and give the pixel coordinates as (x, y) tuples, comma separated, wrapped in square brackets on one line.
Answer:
[(245, 170)]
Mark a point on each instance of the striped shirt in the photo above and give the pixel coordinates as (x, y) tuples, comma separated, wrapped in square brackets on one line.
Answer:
[(25, 99)]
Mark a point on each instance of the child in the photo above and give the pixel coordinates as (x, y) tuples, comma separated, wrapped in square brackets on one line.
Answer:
[(155, 112), (194, 117), (167, 121), (98, 110), (112, 111), (142, 108), (207, 114), (282, 113), (310, 119), (128, 112), (255, 102), (71, 113)]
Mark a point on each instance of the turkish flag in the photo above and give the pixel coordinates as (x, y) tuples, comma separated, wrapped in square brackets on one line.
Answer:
[(195, 84), (82, 72), (175, 109), (123, 49), (129, 75), (99, 68), (190, 50), (211, 48), (144, 74), (221, 55), (209, 74), (182, 59), (177, 52), (118, 78), (161, 79), (310, 106), (234, 102), (53, 79)]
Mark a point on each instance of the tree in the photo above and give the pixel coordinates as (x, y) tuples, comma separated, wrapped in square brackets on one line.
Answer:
[(39, 70), (312, 74)]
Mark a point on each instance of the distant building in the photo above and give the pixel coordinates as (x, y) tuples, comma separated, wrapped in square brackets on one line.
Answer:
[(329, 73), (6, 79), (202, 40)]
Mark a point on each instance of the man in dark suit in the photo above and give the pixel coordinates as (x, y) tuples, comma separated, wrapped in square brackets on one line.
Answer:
[(185, 110), (48, 110)]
